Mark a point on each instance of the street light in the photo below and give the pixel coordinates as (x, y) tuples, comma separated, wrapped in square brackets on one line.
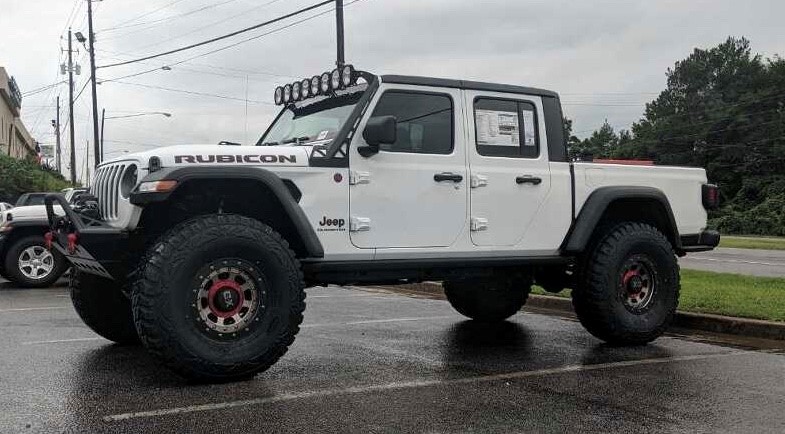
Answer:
[(104, 117)]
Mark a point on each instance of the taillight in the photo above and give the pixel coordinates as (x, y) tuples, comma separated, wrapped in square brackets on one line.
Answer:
[(711, 196)]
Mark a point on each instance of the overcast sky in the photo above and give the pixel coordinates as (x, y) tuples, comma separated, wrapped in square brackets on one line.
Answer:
[(606, 58)]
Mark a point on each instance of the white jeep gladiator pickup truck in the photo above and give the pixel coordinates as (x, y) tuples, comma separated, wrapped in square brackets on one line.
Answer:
[(202, 253)]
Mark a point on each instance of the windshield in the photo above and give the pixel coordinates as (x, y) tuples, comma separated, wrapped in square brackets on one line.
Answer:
[(316, 122)]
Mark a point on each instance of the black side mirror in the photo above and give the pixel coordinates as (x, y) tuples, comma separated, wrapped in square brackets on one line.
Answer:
[(379, 130)]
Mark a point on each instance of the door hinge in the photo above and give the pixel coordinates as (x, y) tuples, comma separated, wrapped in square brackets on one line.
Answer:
[(359, 224), (479, 224), (356, 177), (479, 181)]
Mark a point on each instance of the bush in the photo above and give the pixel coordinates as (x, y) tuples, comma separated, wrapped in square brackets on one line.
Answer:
[(757, 209), (23, 176)]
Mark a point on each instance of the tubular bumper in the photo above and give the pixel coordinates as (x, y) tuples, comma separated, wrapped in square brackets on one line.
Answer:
[(704, 241), (90, 246)]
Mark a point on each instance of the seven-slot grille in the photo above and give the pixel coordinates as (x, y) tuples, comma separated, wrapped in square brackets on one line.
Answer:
[(106, 188)]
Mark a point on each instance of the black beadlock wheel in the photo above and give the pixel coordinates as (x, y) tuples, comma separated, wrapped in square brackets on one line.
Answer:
[(488, 300), (28, 263), (219, 298), (628, 285), (103, 307)]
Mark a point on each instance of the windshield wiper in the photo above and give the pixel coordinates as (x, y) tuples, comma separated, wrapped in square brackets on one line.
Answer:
[(269, 144), (296, 140)]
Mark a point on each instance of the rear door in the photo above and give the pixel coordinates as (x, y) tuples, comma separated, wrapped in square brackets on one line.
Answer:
[(413, 192), (508, 166)]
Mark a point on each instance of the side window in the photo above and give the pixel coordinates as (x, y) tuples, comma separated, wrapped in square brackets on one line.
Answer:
[(425, 121), (506, 128)]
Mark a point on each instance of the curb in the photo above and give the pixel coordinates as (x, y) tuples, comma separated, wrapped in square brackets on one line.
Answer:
[(687, 320)]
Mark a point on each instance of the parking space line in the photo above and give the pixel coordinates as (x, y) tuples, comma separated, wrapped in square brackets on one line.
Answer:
[(412, 385), (377, 321), (28, 309), (62, 341)]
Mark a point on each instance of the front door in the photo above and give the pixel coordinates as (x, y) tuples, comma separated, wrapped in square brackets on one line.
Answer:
[(508, 165), (413, 192)]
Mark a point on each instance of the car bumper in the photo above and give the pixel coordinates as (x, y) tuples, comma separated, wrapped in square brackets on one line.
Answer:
[(90, 246), (701, 242)]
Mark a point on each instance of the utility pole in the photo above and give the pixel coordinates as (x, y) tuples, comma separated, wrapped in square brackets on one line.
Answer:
[(56, 125), (339, 32), (71, 109), (91, 38), (103, 116)]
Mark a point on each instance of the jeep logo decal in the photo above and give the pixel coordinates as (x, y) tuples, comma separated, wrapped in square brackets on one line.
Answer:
[(252, 159), (331, 225)]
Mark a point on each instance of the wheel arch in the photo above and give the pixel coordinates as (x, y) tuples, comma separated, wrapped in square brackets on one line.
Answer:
[(253, 192), (608, 205)]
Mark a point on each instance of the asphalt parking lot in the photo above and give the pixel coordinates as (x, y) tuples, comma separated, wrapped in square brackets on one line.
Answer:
[(369, 361)]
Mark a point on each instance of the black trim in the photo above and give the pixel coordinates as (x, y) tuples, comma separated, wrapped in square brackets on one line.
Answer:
[(572, 192), (554, 128), (700, 242), (593, 209), (465, 84), (396, 270), (184, 174)]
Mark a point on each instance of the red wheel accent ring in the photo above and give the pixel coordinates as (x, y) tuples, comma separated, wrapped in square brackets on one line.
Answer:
[(223, 285)]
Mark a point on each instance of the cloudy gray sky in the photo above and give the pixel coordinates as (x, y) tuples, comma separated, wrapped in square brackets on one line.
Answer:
[(606, 58)]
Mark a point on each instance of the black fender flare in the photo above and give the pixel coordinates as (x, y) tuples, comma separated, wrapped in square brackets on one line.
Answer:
[(598, 202), (184, 174)]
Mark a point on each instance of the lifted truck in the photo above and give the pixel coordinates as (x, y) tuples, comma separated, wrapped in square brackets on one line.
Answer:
[(202, 253)]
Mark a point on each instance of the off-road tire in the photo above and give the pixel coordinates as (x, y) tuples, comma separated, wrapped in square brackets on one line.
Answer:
[(102, 305), (166, 314), (487, 300), (599, 300), (15, 275)]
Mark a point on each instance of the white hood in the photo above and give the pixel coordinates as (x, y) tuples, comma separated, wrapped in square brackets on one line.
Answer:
[(215, 155)]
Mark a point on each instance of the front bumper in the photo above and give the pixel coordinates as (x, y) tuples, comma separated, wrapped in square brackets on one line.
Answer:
[(704, 241), (90, 246)]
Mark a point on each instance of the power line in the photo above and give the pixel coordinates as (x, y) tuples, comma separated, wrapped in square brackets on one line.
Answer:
[(146, 14), (42, 88), (190, 92), (151, 24), (219, 38)]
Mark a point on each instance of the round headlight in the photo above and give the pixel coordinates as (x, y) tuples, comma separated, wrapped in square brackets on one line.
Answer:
[(278, 95), (128, 181), (335, 79), (324, 82), (296, 91), (347, 75), (305, 85), (315, 85), (287, 93)]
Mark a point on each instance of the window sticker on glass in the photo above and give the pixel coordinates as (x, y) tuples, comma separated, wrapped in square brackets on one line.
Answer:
[(528, 128), (497, 128)]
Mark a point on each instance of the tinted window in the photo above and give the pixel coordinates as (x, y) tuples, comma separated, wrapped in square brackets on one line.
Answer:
[(506, 128), (425, 121)]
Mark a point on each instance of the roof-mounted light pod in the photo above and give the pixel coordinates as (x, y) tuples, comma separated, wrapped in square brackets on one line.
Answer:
[(279, 95), (305, 88), (296, 91), (315, 85), (347, 75), (335, 79), (324, 82), (287, 94)]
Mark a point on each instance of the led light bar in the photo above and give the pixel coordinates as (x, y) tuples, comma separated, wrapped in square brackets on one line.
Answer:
[(324, 84)]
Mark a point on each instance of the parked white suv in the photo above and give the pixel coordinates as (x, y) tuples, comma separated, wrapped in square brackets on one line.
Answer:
[(394, 179)]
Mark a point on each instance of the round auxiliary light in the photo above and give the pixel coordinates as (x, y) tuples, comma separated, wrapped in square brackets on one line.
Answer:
[(347, 75), (279, 95), (324, 82), (335, 79), (305, 85), (315, 85), (296, 91), (287, 93)]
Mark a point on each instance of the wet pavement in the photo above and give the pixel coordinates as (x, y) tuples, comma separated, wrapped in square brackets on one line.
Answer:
[(370, 361), (767, 263)]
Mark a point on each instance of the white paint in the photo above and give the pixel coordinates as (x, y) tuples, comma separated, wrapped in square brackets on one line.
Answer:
[(59, 341), (29, 309), (412, 385)]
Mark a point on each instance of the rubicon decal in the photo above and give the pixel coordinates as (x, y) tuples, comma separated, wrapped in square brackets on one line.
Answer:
[(331, 225), (251, 159)]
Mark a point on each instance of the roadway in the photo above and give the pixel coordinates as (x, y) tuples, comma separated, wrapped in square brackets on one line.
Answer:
[(374, 361), (769, 263)]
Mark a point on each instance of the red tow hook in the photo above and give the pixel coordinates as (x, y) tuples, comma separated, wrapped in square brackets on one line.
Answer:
[(48, 240), (72, 240)]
